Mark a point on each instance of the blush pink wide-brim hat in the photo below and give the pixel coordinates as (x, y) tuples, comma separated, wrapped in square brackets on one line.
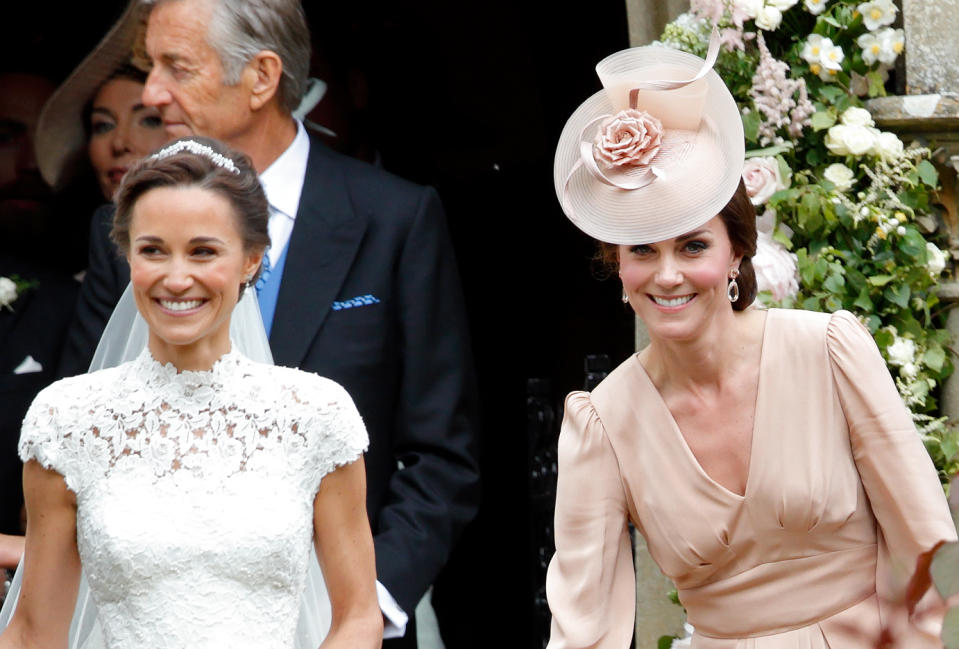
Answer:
[(61, 137), (671, 188)]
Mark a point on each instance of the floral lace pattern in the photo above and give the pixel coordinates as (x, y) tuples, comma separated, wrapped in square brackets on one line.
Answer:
[(194, 493)]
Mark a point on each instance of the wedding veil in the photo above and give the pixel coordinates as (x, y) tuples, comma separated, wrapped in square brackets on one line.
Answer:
[(123, 339)]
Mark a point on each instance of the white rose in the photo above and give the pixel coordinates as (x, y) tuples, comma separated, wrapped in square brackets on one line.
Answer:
[(901, 351), (815, 7), (935, 259), (835, 140), (769, 18), (840, 175), (782, 5), (762, 179), (775, 268), (855, 116), (750, 8), (888, 146), (8, 291), (850, 140)]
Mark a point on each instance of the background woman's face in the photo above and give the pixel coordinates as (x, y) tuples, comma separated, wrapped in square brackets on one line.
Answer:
[(122, 130)]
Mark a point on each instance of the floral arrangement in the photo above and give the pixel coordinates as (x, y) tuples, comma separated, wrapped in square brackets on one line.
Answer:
[(846, 212)]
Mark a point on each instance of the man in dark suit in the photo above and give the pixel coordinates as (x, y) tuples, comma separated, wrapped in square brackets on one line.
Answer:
[(362, 286)]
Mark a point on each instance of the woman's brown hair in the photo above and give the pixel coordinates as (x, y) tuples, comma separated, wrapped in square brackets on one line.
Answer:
[(189, 169)]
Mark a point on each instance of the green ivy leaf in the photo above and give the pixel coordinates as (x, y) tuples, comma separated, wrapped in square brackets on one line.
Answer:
[(864, 302), (877, 88), (881, 280), (928, 173), (834, 283), (823, 119), (832, 94), (770, 150), (833, 304), (934, 358), (898, 295), (913, 244)]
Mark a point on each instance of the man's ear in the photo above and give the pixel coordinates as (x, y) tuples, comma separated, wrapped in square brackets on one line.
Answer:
[(263, 74)]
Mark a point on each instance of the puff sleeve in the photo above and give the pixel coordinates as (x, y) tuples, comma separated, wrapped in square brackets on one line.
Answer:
[(41, 438), (590, 583), (338, 435), (896, 471)]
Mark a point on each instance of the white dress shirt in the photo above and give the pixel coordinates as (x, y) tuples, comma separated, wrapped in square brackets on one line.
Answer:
[(282, 183)]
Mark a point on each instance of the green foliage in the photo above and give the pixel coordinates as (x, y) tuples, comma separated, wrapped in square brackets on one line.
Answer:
[(853, 220)]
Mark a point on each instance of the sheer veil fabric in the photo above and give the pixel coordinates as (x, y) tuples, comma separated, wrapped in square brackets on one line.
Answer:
[(123, 339)]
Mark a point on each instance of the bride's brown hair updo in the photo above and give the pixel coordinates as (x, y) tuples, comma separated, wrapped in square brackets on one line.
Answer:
[(197, 162)]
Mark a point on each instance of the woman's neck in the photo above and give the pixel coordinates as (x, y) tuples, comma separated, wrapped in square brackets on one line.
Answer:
[(727, 340), (197, 356)]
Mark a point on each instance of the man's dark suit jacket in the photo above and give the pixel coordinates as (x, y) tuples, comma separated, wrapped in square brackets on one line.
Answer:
[(404, 359), (35, 326)]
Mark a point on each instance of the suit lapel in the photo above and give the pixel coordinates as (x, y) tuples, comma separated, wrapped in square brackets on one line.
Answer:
[(326, 236)]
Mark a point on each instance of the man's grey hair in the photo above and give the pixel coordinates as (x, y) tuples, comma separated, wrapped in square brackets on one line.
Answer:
[(239, 29)]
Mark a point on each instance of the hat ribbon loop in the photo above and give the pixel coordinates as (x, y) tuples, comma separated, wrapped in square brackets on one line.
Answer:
[(587, 159)]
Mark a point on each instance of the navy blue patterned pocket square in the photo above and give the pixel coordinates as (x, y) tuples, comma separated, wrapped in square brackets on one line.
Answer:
[(358, 301)]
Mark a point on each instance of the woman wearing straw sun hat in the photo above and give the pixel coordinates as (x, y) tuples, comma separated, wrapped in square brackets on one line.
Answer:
[(765, 455), (97, 116)]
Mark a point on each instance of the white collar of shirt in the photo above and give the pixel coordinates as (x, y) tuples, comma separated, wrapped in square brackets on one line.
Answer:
[(282, 182)]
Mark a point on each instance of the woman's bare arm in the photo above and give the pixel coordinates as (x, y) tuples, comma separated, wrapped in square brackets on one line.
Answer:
[(344, 547), (51, 568)]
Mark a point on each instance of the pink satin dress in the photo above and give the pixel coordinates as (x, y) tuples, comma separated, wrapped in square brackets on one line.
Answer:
[(840, 498)]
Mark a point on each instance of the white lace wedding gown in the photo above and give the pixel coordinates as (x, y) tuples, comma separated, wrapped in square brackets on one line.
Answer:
[(194, 493)]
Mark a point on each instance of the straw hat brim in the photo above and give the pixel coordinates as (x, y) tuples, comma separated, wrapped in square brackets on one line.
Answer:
[(699, 174), (61, 137)]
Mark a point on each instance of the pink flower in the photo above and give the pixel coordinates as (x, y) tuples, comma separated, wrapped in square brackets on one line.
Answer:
[(762, 179), (630, 137), (775, 268)]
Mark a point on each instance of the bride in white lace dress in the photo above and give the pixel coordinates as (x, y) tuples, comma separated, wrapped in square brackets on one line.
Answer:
[(190, 482)]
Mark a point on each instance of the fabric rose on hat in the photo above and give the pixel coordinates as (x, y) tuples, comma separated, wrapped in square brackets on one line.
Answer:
[(762, 179), (629, 138)]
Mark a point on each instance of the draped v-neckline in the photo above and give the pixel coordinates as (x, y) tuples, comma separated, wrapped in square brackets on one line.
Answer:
[(680, 438)]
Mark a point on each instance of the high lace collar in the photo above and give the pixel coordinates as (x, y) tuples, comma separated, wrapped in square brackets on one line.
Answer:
[(160, 374)]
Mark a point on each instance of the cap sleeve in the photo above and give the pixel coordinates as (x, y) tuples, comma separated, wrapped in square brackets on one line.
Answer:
[(590, 583), (899, 478), (339, 435), (41, 439)]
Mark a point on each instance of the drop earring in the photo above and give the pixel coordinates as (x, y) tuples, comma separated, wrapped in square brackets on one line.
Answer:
[(625, 297), (732, 290)]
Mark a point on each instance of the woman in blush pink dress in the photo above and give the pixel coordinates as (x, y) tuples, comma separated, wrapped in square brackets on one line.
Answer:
[(765, 456)]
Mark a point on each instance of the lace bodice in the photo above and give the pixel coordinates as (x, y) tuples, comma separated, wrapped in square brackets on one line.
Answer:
[(194, 493)]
